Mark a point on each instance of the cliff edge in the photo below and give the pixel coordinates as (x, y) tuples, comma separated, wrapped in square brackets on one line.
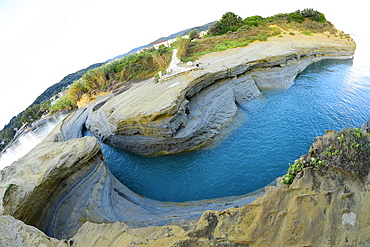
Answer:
[(186, 111), (63, 194), (326, 205)]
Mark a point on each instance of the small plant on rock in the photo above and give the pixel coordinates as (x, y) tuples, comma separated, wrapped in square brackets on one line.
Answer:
[(346, 152)]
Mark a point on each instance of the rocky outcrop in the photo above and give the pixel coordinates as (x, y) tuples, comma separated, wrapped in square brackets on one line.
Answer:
[(63, 194), (64, 182), (186, 112), (324, 206), (15, 233)]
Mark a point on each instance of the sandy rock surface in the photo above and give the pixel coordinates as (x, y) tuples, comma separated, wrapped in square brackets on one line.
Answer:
[(188, 110), (63, 194)]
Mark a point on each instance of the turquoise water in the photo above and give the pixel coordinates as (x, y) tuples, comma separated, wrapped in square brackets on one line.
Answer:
[(272, 132)]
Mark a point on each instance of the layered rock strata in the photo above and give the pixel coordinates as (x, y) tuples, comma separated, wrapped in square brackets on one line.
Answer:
[(322, 207), (187, 111), (64, 182), (63, 194)]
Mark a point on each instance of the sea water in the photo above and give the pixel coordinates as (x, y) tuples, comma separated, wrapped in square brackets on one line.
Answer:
[(272, 132), (26, 142), (268, 134)]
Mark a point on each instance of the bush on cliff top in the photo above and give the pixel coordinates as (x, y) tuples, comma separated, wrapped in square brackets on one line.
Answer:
[(231, 22), (346, 152), (229, 32)]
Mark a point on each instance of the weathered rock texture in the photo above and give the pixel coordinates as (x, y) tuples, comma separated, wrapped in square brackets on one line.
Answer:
[(14, 233), (63, 189), (187, 111), (64, 182), (321, 208)]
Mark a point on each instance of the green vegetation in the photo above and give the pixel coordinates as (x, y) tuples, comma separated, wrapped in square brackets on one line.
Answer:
[(308, 33), (232, 31), (229, 22), (39, 107), (346, 152), (182, 45), (132, 67), (298, 166), (63, 84), (194, 34)]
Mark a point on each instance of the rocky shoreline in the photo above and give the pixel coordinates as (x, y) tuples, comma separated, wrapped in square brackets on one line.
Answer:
[(63, 194), (187, 111)]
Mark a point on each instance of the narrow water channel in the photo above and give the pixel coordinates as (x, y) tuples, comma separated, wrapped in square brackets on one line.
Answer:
[(273, 131)]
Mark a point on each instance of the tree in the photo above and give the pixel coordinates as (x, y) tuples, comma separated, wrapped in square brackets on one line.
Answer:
[(31, 114), (193, 34), (7, 135), (217, 29), (44, 106), (228, 22), (312, 14), (17, 123), (232, 21)]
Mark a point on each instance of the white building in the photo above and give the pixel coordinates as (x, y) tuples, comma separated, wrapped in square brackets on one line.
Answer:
[(202, 33), (166, 43)]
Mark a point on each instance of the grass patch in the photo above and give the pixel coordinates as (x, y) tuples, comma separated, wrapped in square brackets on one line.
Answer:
[(308, 33)]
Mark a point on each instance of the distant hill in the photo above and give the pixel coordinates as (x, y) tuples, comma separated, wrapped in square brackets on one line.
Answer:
[(15, 122), (67, 80), (48, 93), (205, 27)]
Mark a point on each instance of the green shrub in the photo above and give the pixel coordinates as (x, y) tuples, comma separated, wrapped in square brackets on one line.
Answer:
[(312, 14), (254, 21), (296, 17), (193, 34), (308, 33), (63, 103), (346, 152), (221, 47)]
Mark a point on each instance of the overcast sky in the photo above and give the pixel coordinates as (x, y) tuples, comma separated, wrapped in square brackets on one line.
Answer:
[(44, 40)]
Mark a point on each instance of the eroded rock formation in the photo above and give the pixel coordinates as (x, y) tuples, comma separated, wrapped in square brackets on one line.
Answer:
[(324, 206), (63, 194), (186, 112), (64, 182)]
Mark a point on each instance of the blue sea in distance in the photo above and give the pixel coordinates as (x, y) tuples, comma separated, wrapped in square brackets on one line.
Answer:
[(269, 133)]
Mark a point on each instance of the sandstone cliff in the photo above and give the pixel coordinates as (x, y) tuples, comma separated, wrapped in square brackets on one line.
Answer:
[(64, 182), (63, 194), (324, 206), (187, 111)]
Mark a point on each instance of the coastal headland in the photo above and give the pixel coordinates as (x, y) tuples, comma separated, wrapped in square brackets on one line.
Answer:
[(188, 110), (63, 194)]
